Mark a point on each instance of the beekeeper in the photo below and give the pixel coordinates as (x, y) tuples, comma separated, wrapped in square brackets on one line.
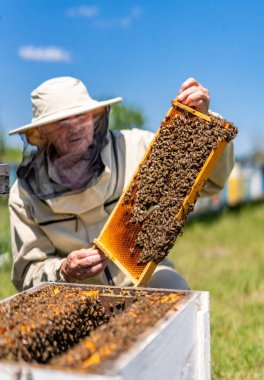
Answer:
[(72, 173)]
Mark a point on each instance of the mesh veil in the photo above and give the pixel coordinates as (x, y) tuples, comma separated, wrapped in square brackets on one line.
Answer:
[(47, 174)]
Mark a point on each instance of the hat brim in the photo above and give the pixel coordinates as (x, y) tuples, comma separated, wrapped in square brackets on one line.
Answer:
[(66, 113)]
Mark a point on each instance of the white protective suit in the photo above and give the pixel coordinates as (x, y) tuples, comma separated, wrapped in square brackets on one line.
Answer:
[(44, 232)]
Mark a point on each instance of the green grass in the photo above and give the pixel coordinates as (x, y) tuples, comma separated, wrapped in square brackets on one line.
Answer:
[(6, 286), (12, 155), (223, 254)]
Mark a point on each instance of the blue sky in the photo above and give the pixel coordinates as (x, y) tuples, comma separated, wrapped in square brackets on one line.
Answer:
[(140, 50)]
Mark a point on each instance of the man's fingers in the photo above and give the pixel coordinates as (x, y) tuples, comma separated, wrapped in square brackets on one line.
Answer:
[(83, 273), (198, 105), (190, 82), (92, 260), (188, 91), (192, 89), (85, 258), (81, 253), (194, 96)]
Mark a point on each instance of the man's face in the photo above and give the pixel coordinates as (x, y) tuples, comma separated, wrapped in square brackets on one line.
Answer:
[(70, 135)]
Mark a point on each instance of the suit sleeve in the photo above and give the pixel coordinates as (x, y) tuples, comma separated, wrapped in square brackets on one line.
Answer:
[(220, 173), (34, 257), (222, 169)]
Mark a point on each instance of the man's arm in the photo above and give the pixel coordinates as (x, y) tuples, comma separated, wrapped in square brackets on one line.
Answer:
[(34, 257)]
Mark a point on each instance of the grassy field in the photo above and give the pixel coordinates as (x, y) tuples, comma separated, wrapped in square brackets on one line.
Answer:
[(223, 254), (6, 287)]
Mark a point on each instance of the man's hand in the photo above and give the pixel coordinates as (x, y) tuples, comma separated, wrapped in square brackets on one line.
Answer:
[(193, 94), (83, 264)]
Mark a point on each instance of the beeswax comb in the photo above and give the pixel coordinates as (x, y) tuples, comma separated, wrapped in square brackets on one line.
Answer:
[(151, 211)]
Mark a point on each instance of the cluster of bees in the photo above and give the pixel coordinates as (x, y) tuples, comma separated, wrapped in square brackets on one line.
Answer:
[(39, 326), (42, 325), (166, 177), (96, 352)]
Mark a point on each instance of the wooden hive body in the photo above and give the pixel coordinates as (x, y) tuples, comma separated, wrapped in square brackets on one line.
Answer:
[(176, 346)]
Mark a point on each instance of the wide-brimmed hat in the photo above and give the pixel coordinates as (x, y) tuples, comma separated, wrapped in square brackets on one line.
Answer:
[(59, 98)]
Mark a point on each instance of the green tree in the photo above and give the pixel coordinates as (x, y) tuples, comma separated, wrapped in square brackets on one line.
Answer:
[(125, 117)]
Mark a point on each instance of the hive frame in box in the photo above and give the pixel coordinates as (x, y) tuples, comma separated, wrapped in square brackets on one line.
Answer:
[(177, 347), (115, 237)]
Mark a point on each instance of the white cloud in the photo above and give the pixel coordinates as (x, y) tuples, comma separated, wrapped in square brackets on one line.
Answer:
[(83, 11), (103, 23), (125, 22), (137, 11), (46, 54), (93, 11), (121, 22)]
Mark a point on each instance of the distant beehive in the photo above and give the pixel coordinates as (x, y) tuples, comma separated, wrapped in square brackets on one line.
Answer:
[(236, 187), (4, 179)]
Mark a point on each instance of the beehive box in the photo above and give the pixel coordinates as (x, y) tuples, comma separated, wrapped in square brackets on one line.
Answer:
[(4, 179), (167, 338)]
